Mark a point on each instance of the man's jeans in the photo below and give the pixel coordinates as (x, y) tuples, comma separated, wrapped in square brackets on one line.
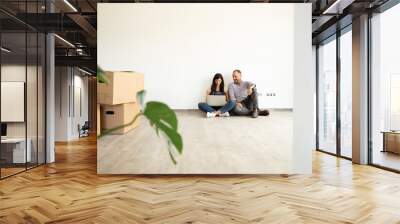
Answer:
[(226, 108), (248, 105)]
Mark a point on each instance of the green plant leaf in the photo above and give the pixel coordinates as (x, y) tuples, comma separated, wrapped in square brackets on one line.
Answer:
[(170, 153), (164, 119), (101, 75)]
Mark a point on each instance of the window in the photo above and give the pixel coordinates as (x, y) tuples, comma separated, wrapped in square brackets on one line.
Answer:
[(346, 93), (385, 89), (327, 96), (22, 66)]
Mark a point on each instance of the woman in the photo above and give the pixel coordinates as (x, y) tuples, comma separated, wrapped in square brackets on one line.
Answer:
[(217, 88)]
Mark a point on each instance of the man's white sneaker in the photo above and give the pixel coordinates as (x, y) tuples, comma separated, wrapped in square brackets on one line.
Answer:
[(226, 114), (209, 115)]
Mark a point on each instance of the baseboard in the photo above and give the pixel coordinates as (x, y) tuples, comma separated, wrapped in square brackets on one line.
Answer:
[(272, 109)]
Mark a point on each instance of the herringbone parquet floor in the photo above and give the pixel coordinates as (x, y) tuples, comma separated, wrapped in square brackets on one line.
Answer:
[(70, 191)]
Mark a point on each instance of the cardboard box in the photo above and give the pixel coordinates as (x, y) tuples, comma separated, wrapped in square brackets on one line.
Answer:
[(121, 114), (122, 88), (98, 120)]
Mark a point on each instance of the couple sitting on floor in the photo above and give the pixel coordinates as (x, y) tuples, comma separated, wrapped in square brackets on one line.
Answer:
[(241, 98)]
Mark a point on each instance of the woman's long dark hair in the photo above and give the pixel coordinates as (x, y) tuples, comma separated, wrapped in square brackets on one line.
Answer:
[(214, 86)]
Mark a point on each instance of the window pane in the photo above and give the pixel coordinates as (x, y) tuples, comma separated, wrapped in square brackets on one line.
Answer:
[(31, 100), (346, 94), (327, 96), (22, 88), (32, 88), (14, 153)]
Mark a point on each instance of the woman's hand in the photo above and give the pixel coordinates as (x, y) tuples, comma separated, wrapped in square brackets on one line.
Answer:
[(249, 91)]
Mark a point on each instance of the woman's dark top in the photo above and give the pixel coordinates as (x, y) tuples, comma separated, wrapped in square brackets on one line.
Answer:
[(217, 93)]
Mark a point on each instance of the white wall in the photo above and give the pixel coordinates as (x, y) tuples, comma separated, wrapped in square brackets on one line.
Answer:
[(17, 73), (61, 104), (68, 80), (79, 117), (179, 47), (34, 125), (12, 100), (303, 92)]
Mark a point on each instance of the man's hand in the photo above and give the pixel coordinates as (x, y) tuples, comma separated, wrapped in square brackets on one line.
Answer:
[(239, 105)]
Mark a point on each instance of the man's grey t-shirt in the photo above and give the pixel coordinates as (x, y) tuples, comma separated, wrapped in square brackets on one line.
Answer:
[(238, 92)]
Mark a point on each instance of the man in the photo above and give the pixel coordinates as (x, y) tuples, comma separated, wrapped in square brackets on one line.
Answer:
[(244, 94)]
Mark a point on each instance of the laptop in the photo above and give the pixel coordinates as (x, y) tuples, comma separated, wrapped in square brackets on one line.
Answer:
[(3, 131), (216, 100)]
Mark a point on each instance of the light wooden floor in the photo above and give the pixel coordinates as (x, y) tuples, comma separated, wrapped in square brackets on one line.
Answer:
[(387, 159), (70, 191), (10, 171), (223, 145), (5, 172)]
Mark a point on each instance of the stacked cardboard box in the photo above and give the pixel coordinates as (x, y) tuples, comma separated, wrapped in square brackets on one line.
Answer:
[(118, 100)]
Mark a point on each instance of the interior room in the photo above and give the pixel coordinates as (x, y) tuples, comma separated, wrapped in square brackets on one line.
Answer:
[(213, 39), (74, 87), (139, 132), (22, 101), (48, 97)]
